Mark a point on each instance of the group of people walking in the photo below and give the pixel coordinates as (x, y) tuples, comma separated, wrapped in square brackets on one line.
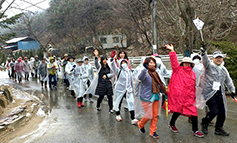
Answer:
[(23, 68), (196, 82)]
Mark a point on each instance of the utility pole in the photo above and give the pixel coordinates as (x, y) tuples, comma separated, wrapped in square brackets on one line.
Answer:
[(155, 40)]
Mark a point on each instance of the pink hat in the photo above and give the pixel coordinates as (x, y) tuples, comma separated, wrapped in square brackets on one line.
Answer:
[(156, 55)]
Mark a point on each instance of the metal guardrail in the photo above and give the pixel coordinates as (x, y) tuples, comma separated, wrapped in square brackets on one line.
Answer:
[(135, 61)]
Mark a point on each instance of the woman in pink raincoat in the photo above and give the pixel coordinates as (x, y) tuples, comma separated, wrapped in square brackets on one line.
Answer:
[(181, 93)]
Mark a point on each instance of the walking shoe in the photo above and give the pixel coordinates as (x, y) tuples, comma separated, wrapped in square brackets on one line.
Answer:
[(118, 118), (204, 128), (134, 121), (221, 131), (85, 99), (155, 136), (198, 134), (111, 112), (98, 109), (79, 104), (91, 100), (174, 129), (142, 130)]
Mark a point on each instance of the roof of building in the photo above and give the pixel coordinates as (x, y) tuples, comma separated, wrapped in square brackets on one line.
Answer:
[(14, 40)]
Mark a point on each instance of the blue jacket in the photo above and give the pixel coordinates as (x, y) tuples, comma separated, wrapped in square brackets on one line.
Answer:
[(146, 85)]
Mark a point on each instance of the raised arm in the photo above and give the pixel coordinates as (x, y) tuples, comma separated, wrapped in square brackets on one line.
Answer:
[(173, 57), (114, 67), (205, 60), (97, 64)]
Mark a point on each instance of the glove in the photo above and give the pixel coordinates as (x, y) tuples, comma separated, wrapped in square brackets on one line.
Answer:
[(113, 54), (203, 48), (232, 95), (74, 66)]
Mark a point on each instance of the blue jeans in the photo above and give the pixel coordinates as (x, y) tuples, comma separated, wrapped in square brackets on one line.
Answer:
[(54, 80)]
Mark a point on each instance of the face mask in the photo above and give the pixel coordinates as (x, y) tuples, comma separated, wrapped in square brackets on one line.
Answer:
[(196, 61), (124, 66)]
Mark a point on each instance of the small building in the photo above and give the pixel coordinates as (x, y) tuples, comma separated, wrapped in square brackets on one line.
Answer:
[(22, 43), (111, 41)]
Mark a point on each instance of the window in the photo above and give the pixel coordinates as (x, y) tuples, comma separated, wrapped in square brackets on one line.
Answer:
[(103, 40), (115, 39)]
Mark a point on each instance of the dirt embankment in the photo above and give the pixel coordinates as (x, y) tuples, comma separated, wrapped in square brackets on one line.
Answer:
[(20, 115)]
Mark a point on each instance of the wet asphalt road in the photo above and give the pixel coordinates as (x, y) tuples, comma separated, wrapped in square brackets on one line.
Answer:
[(67, 123)]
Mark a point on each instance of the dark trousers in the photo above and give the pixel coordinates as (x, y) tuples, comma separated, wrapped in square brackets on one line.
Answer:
[(13, 75), (217, 108), (80, 99), (45, 83), (54, 80), (88, 84), (110, 101), (194, 121), (36, 73), (27, 76), (66, 80)]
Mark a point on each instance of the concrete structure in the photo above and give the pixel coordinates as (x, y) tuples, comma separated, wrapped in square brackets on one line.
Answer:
[(22, 43), (111, 41)]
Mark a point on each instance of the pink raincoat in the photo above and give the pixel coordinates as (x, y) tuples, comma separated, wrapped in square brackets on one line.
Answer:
[(181, 93)]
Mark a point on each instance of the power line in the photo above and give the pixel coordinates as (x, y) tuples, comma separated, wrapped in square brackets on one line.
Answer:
[(34, 5)]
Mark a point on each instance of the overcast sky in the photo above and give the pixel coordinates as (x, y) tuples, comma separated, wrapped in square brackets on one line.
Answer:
[(25, 5)]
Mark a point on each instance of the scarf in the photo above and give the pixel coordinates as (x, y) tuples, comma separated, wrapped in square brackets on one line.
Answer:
[(156, 81)]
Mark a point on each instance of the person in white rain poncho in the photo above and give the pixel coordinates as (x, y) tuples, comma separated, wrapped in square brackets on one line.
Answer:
[(43, 73), (80, 76), (139, 112), (27, 68), (88, 67), (211, 90), (36, 66), (69, 71), (32, 59), (198, 67), (123, 88)]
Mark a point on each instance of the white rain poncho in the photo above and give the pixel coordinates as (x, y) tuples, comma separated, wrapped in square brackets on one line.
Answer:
[(93, 86), (198, 67), (26, 66), (88, 67), (69, 72), (163, 72), (43, 72), (139, 110), (32, 64), (210, 75), (80, 76), (123, 85)]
